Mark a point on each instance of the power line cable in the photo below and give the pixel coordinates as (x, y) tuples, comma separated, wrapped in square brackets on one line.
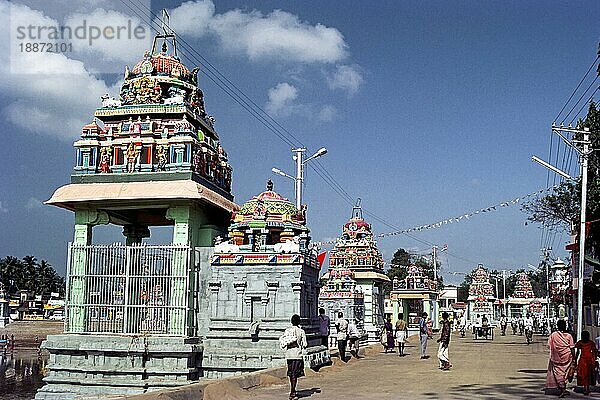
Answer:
[(576, 88)]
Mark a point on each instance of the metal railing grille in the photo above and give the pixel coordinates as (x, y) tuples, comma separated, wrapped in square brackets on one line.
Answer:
[(138, 289)]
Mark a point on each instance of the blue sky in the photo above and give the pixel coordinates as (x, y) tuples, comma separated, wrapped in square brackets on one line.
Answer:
[(429, 110)]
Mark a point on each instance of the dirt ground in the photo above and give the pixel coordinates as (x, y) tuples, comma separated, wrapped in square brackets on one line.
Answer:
[(505, 368), (30, 334)]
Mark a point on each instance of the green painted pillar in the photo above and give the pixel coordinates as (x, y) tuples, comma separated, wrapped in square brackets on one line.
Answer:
[(184, 233), (84, 222)]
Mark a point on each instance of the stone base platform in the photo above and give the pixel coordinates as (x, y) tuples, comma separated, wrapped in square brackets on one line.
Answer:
[(231, 349), (100, 365)]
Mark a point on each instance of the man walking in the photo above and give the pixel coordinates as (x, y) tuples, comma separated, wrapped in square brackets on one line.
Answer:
[(324, 323), (353, 337), (423, 335), (294, 353), (342, 335), (444, 341), (401, 333)]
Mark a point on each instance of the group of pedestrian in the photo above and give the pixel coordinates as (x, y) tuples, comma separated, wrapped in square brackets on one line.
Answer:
[(568, 358), (348, 336), (294, 342), (399, 336)]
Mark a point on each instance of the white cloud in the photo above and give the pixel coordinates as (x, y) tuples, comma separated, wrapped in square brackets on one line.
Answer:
[(50, 94), (192, 18), (278, 35), (3, 210), (346, 78), (281, 99), (283, 103), (33, 203), (327, 113), (120, 37)]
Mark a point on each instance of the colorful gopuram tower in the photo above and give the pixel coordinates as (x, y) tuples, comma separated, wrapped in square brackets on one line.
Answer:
[(413, 295), (356, 251), (481, 295), (261, 276), (135, 312), (523, 300)]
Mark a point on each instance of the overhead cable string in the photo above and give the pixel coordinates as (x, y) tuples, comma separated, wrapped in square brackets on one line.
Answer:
[(580, 98), (222, 83), (323, 173), (265, 118), (586, 104), (250, 106), (546, 231), (574, 91)]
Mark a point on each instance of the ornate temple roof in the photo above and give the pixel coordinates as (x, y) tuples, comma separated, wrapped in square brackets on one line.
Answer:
[(416, 279), (161, 64), (356, 249), (271, 209), (156, 129), (481, 288)]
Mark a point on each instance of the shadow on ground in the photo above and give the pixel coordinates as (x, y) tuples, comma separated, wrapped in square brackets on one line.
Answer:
[(520, 387)]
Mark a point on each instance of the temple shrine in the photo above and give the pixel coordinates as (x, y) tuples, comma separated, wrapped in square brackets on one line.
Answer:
[(523, 300), (139, 316), (413, 295), (354, 282), (481, 295), (265, 272)]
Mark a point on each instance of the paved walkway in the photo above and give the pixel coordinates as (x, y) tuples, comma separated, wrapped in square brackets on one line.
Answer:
[(505, 368)]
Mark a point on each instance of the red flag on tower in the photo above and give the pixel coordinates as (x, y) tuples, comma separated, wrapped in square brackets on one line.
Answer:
[(321, 258)]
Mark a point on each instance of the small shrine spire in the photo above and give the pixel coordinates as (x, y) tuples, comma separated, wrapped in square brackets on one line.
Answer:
[(357, 209), (167, 33), (270, 185)]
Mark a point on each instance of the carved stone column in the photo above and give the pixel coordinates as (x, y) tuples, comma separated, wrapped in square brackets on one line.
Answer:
[(297, 289), (240, 288), (272, 287), (214, 287)]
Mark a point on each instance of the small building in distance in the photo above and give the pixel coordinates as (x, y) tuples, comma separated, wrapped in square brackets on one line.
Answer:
[(413, 295), (523, 301)]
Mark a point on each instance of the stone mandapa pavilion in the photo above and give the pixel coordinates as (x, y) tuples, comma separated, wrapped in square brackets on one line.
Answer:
[(142, 317)]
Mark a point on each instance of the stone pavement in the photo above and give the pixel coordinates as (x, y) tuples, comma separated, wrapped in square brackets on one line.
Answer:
[(505, 368)]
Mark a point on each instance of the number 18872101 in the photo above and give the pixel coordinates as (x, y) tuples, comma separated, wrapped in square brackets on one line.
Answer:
[(43, 47)]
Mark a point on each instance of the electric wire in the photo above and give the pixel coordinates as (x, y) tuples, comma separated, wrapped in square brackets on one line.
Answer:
[(238, 95), (577, 88)]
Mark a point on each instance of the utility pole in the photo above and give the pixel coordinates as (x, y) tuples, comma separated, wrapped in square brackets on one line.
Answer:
[(546, 260), (583, 157), (434, 258), (299, 178), (504, 291), (299, 174)]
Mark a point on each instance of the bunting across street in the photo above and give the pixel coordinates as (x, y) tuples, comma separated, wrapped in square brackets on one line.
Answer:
[(459, 218)]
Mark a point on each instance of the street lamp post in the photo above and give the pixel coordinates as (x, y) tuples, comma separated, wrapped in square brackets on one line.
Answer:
[(583, 157), (299, 178)]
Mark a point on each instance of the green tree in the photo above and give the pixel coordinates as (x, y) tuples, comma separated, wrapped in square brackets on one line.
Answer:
[(29, 274), (463, 288)]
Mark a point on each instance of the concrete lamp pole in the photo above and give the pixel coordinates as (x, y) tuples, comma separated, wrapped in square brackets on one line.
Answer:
[(299, 178)]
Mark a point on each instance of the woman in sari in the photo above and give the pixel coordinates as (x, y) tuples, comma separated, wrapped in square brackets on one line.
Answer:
[(561, 356), (586, 362), (389, 333)]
